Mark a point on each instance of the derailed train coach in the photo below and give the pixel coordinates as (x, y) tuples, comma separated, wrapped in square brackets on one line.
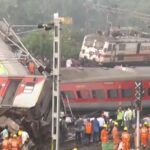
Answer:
[(25, 101), (126, 48), (94, 89)]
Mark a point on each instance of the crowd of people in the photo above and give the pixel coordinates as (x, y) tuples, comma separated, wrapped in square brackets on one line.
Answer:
[(14, 141), (120, 133)]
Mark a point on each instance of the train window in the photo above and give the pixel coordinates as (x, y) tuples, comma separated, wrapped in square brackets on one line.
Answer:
[(113, 93), (126, 93), (67, 94), (29, 87), (122, 47), (110, 47), (114, 47), (83, 94), (148, 91), (120, 57), (98, 94)]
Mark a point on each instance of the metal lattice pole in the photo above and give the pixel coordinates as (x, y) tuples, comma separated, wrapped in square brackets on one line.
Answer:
[(56, 88), (138, 96)]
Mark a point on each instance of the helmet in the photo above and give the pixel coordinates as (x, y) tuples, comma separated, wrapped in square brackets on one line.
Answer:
[(125, 129), (20, 132), (145, 123), (14, 135), (105, 125), (116, 123)]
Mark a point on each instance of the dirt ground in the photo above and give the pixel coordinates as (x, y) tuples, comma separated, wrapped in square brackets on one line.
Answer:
[(70, 146)]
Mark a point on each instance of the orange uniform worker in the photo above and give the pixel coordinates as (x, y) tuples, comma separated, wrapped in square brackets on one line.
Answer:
[(19, 138), (126, 139), (15, 143), (104, 134), (144, 135), (31, 67), (149, 131), (88, 130), (6, 144), (115, 134)]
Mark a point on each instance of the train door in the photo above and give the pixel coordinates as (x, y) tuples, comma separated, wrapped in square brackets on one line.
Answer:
[(121, 47), (138, 48), (112, 48), (10, 92)]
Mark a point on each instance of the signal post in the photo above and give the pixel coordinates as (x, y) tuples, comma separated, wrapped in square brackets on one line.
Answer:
[(138, 95), (55, 25)]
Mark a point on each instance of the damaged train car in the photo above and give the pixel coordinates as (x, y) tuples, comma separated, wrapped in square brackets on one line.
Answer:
[(26, 102)]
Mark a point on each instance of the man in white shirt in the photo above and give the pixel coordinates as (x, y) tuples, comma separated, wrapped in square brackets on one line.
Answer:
[(101, 121), (68, 63)]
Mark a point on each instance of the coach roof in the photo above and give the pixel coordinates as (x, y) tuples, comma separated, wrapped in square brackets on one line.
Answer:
[(104, 74)]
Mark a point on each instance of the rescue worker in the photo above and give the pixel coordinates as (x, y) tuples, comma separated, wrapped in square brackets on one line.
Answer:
[(6, 144), (120, 114), (88, 130), (4, 132), (104, 135), (31, 67), (126, 139), (20, 138), (128, 118), (79, 128), (115, 135), (149, 134), (144, 135), (15, 143)]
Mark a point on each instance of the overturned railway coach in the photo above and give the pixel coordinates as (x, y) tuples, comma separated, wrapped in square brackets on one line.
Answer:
[(25, 101), (103, 88)]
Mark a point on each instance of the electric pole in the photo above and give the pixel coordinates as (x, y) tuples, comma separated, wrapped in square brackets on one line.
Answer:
[(55, 25), (138, 96)]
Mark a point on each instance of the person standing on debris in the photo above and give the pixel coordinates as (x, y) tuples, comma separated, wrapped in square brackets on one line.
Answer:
[(6, 144), (88, 131), (4, 132), (115, 134), (95, 130), (144, 135), (126, 139), (120, 114), (79, 127), (31, 67)]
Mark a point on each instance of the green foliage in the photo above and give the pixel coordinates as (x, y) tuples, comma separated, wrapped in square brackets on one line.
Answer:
[(41, 43)]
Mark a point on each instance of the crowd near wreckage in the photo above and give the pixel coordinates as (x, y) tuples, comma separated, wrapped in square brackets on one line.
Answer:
[(117, 134), (126, 46)]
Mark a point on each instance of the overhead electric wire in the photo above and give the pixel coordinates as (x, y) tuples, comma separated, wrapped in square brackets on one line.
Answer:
[(121, 11), (23, 47), (35, 30), (24, 26)]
